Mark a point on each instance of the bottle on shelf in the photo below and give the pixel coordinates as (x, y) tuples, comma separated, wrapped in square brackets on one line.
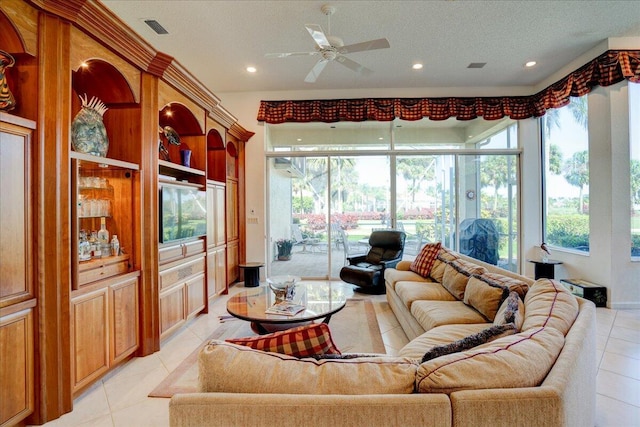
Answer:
[(115, 245), (103, 239), (84, 247), (95, 245)]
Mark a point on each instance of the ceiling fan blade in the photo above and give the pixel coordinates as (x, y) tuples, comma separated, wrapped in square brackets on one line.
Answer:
[(353, 65), (287, 54), (370, 45), (315, 71), (318, 35)]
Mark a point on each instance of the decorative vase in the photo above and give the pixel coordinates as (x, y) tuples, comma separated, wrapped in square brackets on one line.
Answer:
[(88, 134), (7, 101)]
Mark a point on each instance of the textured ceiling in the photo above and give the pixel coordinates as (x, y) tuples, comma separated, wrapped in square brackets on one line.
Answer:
[(217, 40)]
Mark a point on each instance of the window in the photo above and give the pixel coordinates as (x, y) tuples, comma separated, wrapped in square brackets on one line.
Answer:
[(565, 146), (454, 182), (634, 140)]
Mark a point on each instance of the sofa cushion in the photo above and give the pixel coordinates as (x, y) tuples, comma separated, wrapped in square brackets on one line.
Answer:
[(548, 303), (520, 360), (439, 264), (484, 336), (511, 311), (303, 341), (456, 276), (393, 276), (227, 367), (430, 314), (409, 292), (424, 261), (437, 336), (484, 295), (512, 283)]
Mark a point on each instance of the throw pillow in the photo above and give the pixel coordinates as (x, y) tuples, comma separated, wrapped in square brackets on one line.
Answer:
[(510, 282), (425, 259), (456, 275), (466, 343), (303, 341), (511, 311), (485, 296), (437, 269)]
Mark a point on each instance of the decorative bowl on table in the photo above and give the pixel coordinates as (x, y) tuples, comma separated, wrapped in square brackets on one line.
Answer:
[(283, 286)]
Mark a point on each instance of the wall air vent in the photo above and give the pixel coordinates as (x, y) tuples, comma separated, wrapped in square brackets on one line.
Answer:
[(476, 65), (155, 26)]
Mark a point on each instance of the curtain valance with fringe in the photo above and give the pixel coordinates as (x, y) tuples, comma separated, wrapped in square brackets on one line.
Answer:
[(609, 68)]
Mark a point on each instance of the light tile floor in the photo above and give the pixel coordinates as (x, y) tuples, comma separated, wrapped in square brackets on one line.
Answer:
[(120, 398)]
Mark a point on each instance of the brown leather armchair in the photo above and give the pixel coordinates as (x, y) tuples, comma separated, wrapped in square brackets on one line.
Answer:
[(367, 271)]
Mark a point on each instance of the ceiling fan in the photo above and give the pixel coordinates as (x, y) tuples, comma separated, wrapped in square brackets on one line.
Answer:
[(331, 48)]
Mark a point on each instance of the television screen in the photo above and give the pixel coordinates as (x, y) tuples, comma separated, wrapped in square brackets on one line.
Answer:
[(183, 212)]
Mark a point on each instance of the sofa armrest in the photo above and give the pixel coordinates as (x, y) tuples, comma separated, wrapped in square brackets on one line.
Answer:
[(531, 406), (290, 410), (403, 265)]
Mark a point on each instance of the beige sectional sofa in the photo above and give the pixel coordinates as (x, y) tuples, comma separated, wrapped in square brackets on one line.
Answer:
[(541, 373)]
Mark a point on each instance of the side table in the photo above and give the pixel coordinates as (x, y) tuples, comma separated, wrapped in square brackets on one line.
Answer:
[(251, 274), (544, 269)]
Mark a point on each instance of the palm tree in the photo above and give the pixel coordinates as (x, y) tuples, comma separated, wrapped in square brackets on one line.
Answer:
[(576, 172), (416, 170)]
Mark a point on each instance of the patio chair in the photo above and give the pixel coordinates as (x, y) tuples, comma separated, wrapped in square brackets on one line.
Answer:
[(349, 249), (301, 240), (367, 271)]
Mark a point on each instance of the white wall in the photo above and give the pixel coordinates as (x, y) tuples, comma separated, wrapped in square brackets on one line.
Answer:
[(609, 260)]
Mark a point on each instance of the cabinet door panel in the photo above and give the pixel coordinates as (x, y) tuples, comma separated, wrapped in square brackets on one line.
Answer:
[(90, 320), (15, 284), (124, 312), (179, 272), (221, 270), (16, 367), (233, 271), (220, 216), (172, 310), (195, 295)]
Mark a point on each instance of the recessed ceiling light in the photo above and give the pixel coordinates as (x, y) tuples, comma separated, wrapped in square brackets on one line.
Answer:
[(299, 139), (251, 69), (530, 64), (380, 138), (417, 66)]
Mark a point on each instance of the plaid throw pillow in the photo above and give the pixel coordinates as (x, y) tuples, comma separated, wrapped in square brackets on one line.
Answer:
[(303, 341), (423, 262)]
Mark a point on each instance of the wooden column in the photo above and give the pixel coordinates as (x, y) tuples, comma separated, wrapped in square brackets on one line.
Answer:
[(52, 269)]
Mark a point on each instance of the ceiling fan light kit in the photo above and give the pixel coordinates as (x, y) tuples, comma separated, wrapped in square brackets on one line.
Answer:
[(331, 48)]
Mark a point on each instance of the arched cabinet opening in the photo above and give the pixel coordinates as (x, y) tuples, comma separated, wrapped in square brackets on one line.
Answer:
[(216, 157), (232, 160), (20, 70), (99, 79), (181, 137)]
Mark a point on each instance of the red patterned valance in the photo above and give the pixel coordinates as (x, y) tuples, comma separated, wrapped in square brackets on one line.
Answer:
[(609, 68)]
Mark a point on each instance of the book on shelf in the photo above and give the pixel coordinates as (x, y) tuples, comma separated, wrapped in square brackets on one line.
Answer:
[(285, 308)]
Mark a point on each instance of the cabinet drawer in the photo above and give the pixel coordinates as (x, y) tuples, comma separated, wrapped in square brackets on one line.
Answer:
[(102, 269), (178, 273), (175, 252), (195, 295)]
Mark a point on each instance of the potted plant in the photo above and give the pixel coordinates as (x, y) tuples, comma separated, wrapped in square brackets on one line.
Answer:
[(284, 249)]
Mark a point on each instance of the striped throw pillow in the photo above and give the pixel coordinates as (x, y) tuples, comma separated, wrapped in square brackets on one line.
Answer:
[(303, 341)]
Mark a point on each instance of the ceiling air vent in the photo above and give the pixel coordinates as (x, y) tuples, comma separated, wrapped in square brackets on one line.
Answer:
[(476, 65), (155, 26)]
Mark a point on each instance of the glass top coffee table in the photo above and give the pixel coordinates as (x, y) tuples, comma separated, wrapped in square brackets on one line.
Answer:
[(321, 301)]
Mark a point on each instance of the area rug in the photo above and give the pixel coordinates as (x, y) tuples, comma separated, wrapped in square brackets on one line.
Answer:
[(354, 330)]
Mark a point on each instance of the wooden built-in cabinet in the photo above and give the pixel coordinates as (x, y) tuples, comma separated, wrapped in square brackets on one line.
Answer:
[(17, 293), (182, 283), (104, 319), (66, 321)]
